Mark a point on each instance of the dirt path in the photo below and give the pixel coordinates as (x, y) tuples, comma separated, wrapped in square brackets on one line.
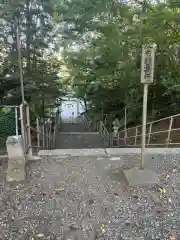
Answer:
[(87, 198)]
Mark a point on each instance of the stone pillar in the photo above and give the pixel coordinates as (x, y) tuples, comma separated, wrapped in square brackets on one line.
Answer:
[(16, 159)]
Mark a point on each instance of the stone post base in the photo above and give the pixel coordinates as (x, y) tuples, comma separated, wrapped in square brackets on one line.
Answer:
[(17, 161)]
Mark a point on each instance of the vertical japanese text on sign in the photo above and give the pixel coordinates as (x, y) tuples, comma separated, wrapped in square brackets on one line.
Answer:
[(148, 65)]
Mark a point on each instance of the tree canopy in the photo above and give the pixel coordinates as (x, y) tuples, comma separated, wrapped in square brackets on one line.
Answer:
[(40, 66), (102, 43)]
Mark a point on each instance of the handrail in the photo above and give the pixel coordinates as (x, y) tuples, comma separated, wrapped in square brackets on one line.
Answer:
[(104, 132), (33, 111), (152, 122), (45, 133), (167, 139), (86, 121)]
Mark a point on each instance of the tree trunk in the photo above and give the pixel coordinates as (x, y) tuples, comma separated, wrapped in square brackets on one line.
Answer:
[(85, 104), (28, 38)]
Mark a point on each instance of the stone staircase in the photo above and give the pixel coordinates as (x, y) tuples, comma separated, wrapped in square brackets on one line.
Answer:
[(77, 136), (73, 127)]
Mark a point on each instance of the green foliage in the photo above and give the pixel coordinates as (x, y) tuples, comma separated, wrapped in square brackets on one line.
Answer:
[(40, 68), (7, 125), (102, 51), (102, 42)]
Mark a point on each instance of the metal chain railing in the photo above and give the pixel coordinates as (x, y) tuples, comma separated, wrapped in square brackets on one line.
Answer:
[(36, 132)]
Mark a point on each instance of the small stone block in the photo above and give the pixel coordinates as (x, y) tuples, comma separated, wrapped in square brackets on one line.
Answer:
[(14, 145), (136, 176), (16, 170)]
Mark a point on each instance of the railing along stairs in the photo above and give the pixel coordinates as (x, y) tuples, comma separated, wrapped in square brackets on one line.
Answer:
[(90, 125), (105, 134), (37, 133), (94, 126), (163, 132)]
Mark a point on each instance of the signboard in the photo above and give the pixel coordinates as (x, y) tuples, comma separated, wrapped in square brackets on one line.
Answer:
[(147, 65)]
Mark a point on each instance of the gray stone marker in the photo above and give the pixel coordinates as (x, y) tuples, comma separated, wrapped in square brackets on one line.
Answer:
[(16, 159)]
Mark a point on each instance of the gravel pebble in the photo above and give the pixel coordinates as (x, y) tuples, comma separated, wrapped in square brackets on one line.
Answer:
[(86, 198)]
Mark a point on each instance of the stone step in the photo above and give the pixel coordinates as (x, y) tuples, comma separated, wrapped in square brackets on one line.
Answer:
[(80, 140), (73, 152), (76, 127), (79, 133), (110, 152)]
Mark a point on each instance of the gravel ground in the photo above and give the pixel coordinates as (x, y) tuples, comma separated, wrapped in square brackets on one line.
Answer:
[(87, 198)]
